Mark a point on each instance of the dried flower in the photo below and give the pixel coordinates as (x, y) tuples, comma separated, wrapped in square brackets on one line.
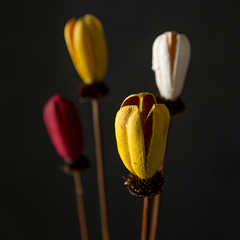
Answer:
[(141, 127), (171, 55), (86, 43), (64, 127)]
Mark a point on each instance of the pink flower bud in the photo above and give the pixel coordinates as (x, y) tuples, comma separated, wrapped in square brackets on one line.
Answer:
[(64, 127)]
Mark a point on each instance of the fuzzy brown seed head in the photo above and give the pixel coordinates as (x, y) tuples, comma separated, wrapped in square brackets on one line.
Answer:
[(78, 166), (92, 91), (145, 187), (175, 107)]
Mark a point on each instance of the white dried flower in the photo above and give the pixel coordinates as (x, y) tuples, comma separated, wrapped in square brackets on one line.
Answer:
[(170, 60)]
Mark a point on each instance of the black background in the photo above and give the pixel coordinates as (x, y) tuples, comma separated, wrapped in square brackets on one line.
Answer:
[(201, 194)]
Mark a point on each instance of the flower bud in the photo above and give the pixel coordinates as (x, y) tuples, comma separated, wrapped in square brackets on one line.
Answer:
[(170, 60), (64, 127), (141, 127), (86, 43)]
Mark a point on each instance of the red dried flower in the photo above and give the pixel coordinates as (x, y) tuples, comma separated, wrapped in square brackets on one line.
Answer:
[(64, 127)]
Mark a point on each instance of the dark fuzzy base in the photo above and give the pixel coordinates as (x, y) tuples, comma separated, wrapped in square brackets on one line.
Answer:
[(145, 187), (92, 91), (80, 165), (176, 107)]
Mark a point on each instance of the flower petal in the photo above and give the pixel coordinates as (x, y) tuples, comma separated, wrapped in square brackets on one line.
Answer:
[(64, 127), (161, 64), (144, 101), (160, 118), (99, 45), (183, 53), (133, 99), (87, 46), (172, 38), (130, 140), (83, 46), (68, 35), (171, 55)]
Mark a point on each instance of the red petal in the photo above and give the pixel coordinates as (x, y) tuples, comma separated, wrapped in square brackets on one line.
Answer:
[(64, 127), (134, 100), (148, 102), (147, 130)]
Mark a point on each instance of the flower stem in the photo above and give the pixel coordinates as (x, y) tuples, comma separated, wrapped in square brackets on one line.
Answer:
[(156, 211), (80, 205), (146, 218), (100, 171)]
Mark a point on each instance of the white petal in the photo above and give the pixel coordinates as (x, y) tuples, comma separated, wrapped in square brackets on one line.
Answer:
[(170, 87), (183, 52), (161, 65)]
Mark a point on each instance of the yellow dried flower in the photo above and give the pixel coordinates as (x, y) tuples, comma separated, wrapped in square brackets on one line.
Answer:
[(86, 43), (141, 127)]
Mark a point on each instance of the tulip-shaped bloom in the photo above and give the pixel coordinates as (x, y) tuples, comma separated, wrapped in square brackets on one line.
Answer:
[(64, 127), (170, 60), (86, 43), (141, 127)]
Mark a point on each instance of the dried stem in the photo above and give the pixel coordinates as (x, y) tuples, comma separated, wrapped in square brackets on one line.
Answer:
[(100, 171), (157, 205), (80, 205), (146, 218), (156, 211)]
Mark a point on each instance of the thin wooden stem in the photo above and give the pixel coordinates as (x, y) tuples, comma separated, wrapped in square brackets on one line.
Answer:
[(80, 205), (100, 171), (146, 218), (156, 211), (157, 204)]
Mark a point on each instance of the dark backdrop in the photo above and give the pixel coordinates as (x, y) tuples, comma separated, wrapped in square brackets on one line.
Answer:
[(201, 194)]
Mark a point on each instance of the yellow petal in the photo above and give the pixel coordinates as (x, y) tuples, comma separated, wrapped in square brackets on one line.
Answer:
[(144, 101), (68, 33), (99, 45), (87, 46), (160, 117), (130, 140), (83, 46)]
